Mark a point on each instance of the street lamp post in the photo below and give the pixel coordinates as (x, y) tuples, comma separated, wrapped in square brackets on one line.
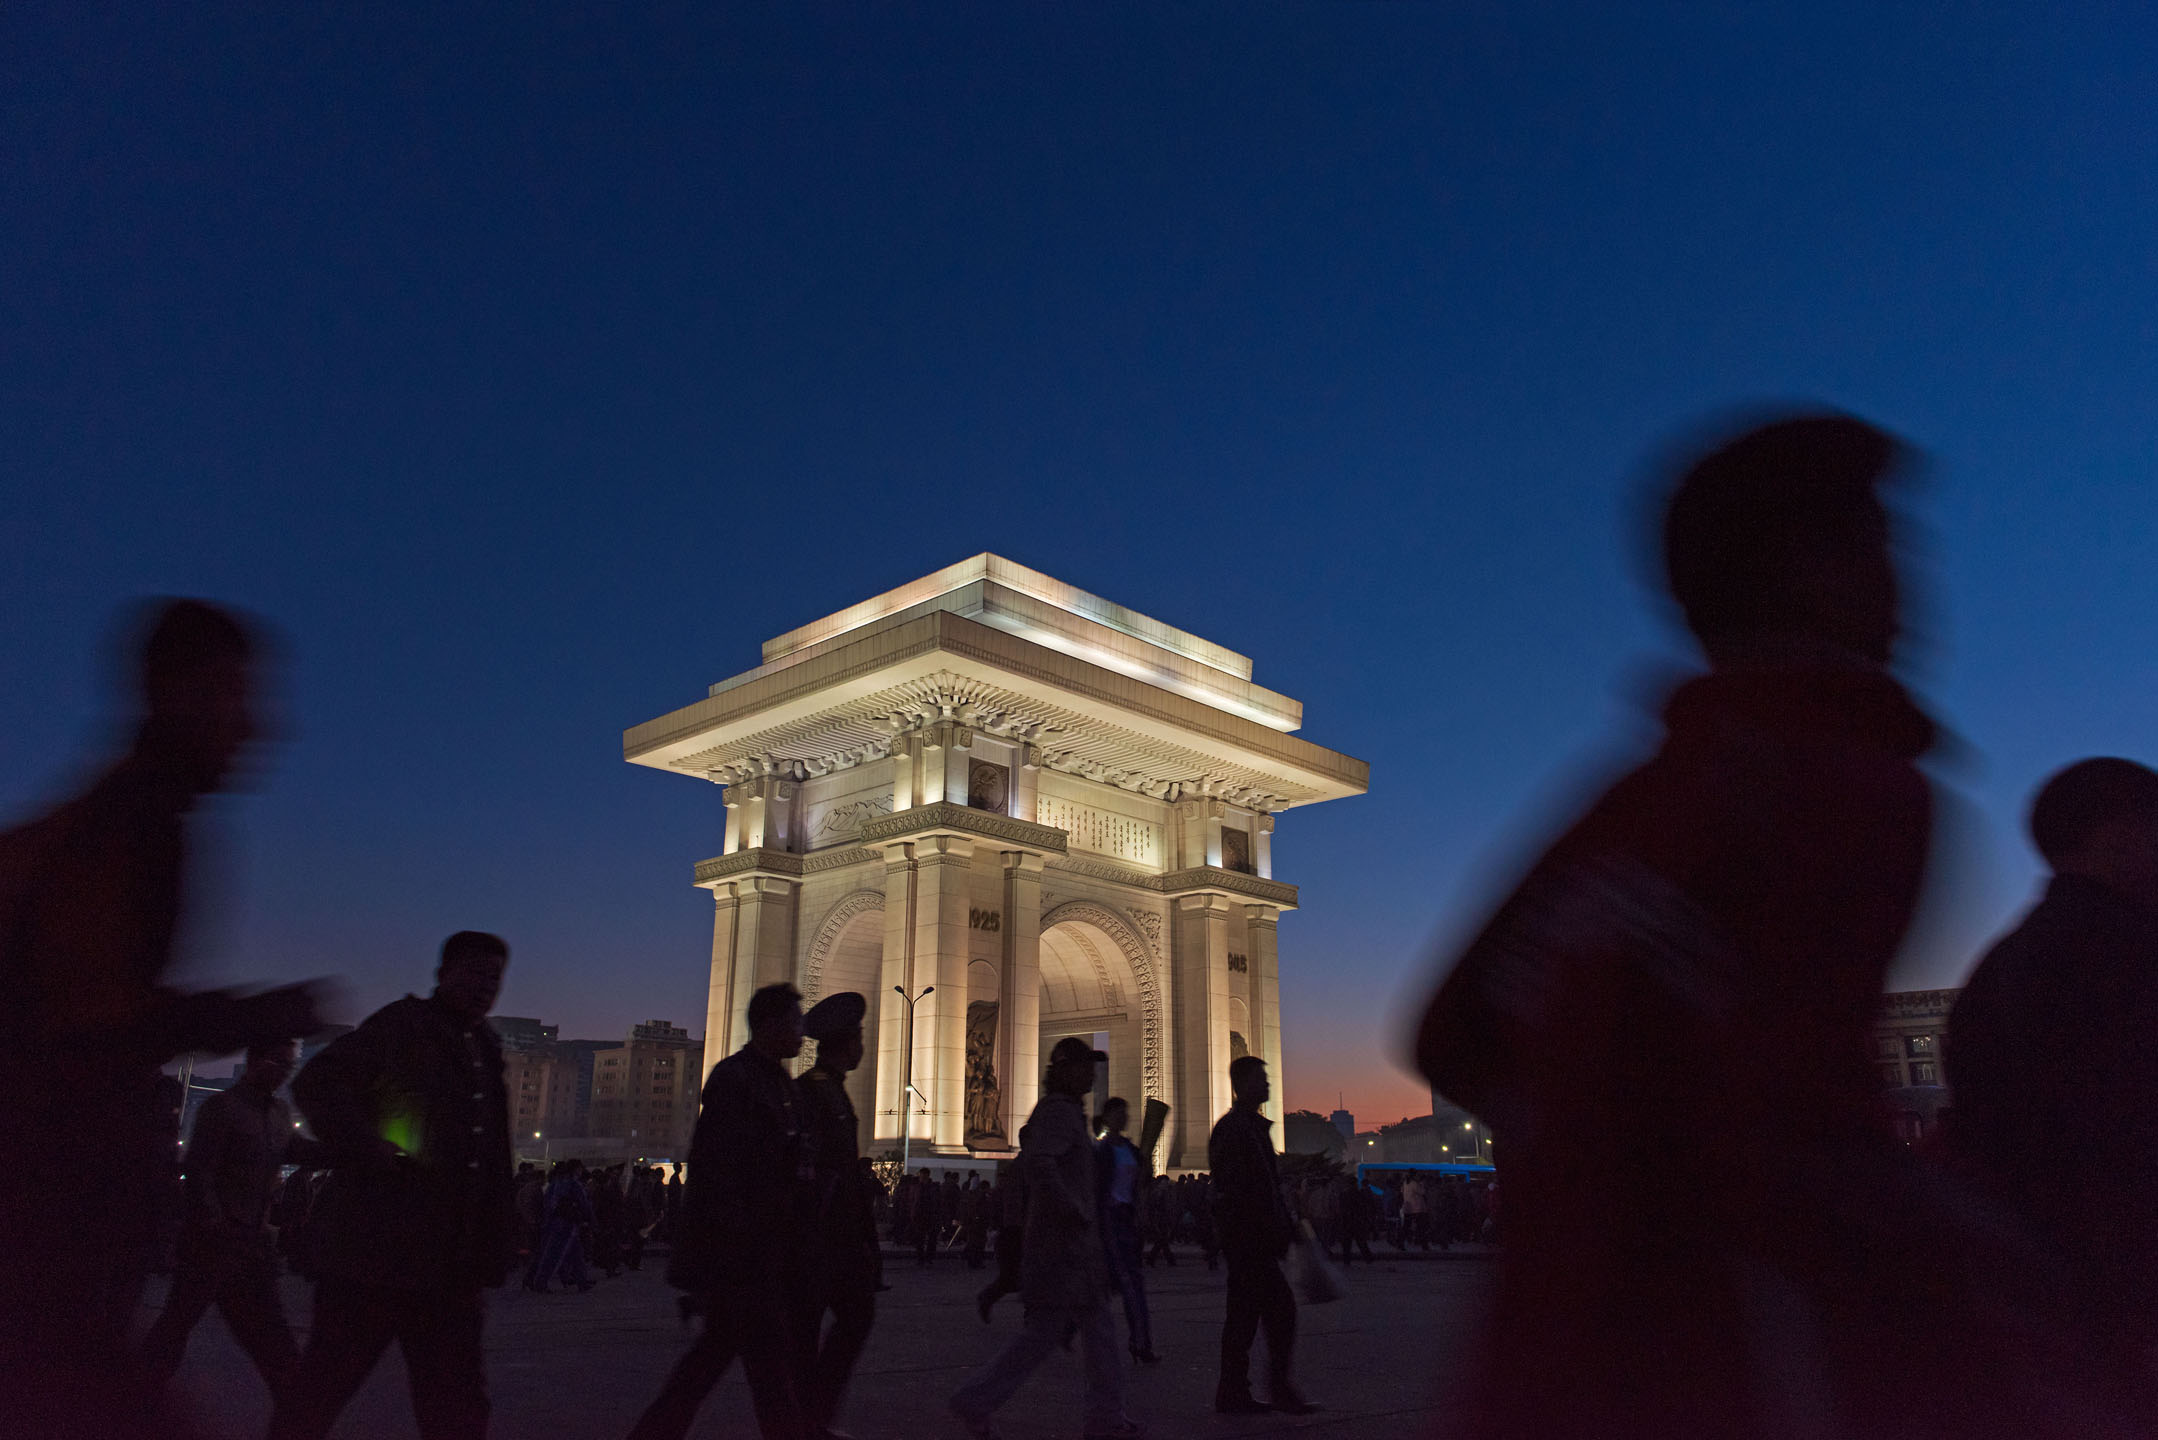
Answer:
[(906, 1083)]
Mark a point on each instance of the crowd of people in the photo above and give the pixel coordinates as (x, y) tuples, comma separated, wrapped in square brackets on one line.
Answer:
[(1710, 1228)]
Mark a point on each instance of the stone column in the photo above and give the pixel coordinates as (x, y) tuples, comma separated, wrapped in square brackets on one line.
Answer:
[(1201, 949), (1019, 1041), (943, 866), (1026, 781), (733, 842), (898, 972), (752, 946), (1262, 845), (719, 998), (1263, 922)]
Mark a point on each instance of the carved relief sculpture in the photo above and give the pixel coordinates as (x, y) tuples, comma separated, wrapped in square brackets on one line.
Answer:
[(988, 787), (985, 1101), (1236, 851)]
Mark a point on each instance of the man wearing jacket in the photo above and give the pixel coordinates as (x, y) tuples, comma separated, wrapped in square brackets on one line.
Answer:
[(242, 1138), (840, 1260), (2053, 1052), (1063, 1273), (418, 1217), (1256, 1232), (738, 1250)]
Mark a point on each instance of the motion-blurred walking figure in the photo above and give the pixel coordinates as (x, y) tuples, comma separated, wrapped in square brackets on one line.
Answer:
[(840, 1259), (1120, 1186), (90, 902), (418, 1217), (1256, 1232), (1710, 1230), (1064, 1280), (242, 1140), (2053, 1053), (738, 1249)]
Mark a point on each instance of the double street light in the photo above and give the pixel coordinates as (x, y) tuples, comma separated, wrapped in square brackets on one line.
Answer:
[(906, 1090)]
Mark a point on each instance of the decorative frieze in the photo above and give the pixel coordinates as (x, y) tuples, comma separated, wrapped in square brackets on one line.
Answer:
[(835, 824), (946, 816)]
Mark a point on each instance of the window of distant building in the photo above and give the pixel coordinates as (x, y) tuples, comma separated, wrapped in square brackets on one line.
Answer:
[(1923, 1073), (1889, 1047), (1918, 1045), (1892, 1076)]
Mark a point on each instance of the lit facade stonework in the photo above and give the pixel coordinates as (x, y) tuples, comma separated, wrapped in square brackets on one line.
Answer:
[(1056, 812)]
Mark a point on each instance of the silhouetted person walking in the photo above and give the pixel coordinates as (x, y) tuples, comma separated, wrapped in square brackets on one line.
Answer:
[(1064, 1281), (1710, 1230), (90, 901), (2053, 1056), (840, 1269), (1120, 1186), (243, 1138), (738, 1247), (418, 1218), (1256, 1232)]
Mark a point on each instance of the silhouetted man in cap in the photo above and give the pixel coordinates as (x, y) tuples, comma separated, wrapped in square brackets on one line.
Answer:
[(1064, 1273), (1256, 1232), (1710, 1230), (738, 1247), (90, 901), (2053, 1054), (840, 1253), (418, 1218)]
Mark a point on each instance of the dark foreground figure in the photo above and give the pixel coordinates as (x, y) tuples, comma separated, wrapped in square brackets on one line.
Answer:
[(1709, 1229), (417, 1220), (840, 1253), (738, 1251), (1256, 1233), (2053, 1052), (90, 902), (228, 1255)]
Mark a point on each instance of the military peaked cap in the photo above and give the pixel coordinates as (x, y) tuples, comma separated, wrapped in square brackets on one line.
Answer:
[(834, 1016)]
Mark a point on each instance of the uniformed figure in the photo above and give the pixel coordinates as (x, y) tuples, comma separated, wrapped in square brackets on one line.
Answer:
[(738, 1247), (840, 1256)]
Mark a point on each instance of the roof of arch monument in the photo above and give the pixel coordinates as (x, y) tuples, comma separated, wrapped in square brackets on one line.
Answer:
[(1154, 720)]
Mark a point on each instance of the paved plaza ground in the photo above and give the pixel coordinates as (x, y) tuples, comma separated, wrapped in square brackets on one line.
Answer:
[(569, 1366)]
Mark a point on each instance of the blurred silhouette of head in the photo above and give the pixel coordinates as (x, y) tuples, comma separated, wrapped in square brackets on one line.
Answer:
[(2099, 819), (196, 673), (470, 975), (270, 1064), (1780, 539)]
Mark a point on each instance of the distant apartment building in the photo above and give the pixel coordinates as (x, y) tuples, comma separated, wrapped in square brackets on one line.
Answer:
[(542, 1095), (645, 1090)]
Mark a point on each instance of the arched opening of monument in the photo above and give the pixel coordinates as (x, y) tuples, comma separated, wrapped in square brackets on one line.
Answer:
[(1088, 990), (855, 962)]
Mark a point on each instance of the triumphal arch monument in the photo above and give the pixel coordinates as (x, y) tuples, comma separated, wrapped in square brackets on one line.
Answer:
[(1052, 813)]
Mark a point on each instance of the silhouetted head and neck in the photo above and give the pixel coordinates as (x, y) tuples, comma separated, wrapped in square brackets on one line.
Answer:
[(269, 1066), (1072, 1065), (195, 678), (775, 1022), (1249, 1087), (2097, 820), (1778, 546), (469, 977)]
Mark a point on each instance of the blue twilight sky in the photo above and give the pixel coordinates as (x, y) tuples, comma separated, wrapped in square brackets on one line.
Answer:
[(529, 366)]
